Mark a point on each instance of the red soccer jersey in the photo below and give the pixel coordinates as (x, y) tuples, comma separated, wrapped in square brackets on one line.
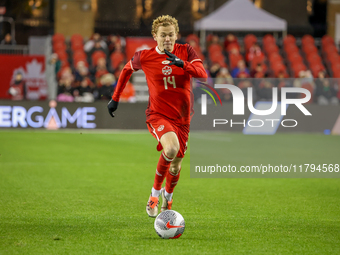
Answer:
[(169, 86)]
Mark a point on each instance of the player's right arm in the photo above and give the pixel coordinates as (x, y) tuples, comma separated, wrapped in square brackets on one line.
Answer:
[(131, 66)]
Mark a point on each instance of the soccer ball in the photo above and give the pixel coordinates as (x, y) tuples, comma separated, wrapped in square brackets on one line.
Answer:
[(169, 224)]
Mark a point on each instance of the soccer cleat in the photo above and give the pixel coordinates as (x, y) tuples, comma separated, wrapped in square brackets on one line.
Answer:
[(166, 205), (152, 206)]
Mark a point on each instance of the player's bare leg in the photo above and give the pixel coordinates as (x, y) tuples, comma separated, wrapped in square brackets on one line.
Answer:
[(171, 182), (170, 146)]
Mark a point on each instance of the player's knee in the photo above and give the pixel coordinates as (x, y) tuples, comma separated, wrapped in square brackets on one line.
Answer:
[(171, 151), (174, 169)]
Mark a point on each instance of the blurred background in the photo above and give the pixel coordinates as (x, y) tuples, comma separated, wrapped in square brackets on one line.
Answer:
[(74, 50)]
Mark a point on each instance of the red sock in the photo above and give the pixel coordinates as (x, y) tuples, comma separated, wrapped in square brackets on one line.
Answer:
[(162, 168), (171, 181)]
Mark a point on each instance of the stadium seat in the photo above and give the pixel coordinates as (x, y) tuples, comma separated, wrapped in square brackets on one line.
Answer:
[(297, 67), (316, 68), (234, 58), (291, 48), (77, 38), (314, 58), (295, 57), (271, 48), (327, 40), (77, 45), (249, 40), (97, 55), (268, 39), (58, 38), (307, 39), (192, 37), (289, 39), (116, 58), (309, 48), (58, 45), (214, 48), (275, 57)]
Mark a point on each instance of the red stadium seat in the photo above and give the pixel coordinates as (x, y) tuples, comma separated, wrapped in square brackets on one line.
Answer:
[(307, 39), (97, 55), (214, 48), (289, 39), (249, 40), (271, 48), (192, 37), (234, 58), (316, 68), (314, 58), (275, 57), (62, 55), (268, 39), (297, 67), (295, 57), (116, 58), (291, 48), (58, 38), (57, 46), (327, 40), (77, 45), (309, 48), (77, 38)]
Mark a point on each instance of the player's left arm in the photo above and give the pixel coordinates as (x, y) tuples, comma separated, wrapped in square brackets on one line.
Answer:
[(193, 65)]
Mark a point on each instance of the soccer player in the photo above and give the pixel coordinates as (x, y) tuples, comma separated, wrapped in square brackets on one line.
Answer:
[(168, 68)]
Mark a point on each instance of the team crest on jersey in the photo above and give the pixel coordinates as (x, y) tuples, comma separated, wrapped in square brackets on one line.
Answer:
[(165, 62), (167, 70), (160, 128)]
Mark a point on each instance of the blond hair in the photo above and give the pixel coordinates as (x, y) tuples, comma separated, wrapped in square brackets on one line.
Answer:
[(164, 20)]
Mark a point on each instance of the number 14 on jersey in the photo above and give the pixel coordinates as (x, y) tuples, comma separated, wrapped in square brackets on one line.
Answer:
[(169, 80)]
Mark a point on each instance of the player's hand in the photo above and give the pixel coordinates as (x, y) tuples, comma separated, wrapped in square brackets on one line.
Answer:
[(112, 106), (174, 60)]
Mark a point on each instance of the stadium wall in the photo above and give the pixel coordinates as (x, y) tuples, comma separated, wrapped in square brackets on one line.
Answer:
[(44, 114)]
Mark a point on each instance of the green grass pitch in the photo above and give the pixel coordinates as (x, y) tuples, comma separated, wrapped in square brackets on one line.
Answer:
[(85, 193)]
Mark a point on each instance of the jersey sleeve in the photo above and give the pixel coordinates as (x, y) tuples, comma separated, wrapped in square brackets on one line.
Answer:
[(136, 61), (192, 55), (130, 67), (194, 65)]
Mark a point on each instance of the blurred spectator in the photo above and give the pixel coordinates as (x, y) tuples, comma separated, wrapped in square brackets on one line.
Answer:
[(8, 40), (240, 69), (56, 62), (83, 93), (214, 69), (81, 73), (325, 93), (305, 81), (98, 47), (17, 88), (106, 86), (113, 42), (305, 78), (65, 89), (224, 77), (101, 69), (129, 94), (89, 45), (180, 39), (244, 84), (118, 70), (254, 51), (230, 42), (265, 90), (258, 72)]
